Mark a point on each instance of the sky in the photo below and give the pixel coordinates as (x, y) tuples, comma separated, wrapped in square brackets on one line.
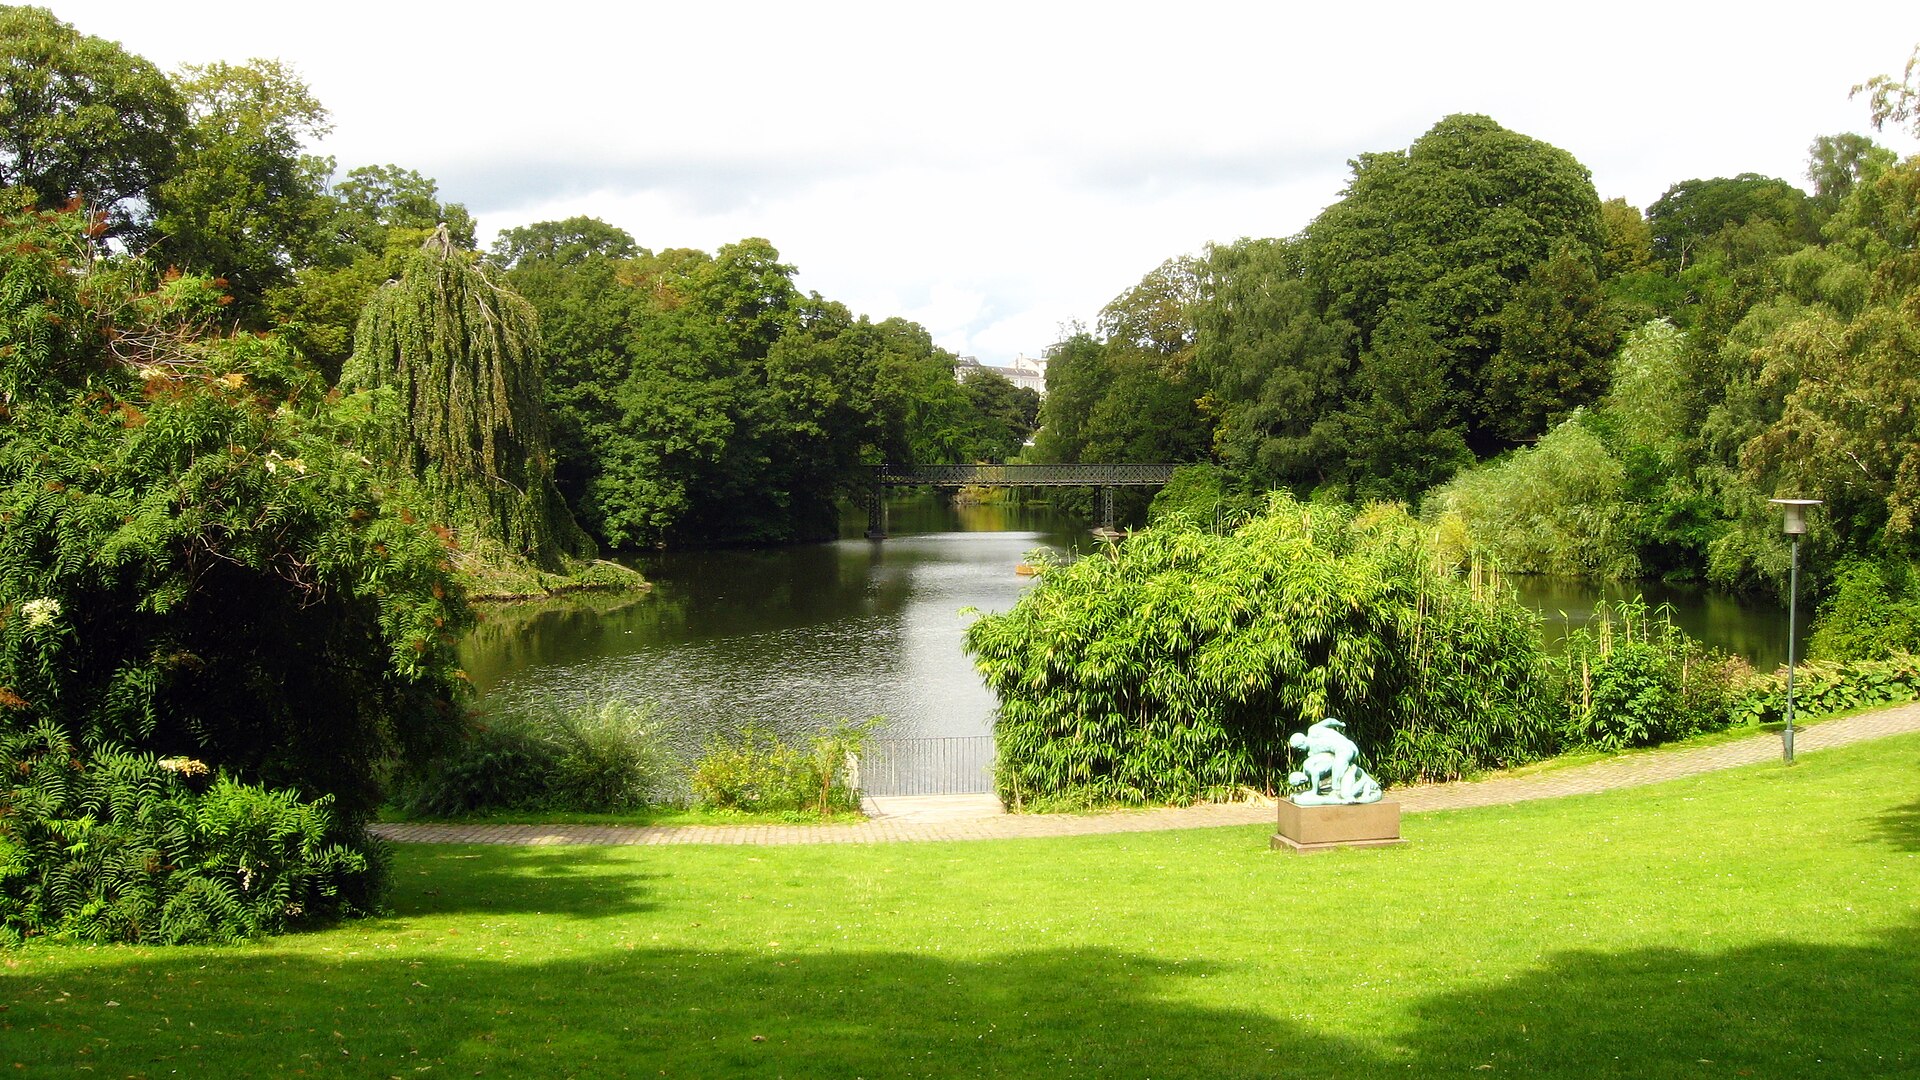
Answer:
[(999, 171)]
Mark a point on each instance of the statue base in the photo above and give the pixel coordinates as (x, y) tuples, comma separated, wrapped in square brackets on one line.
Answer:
[(1317, 828)]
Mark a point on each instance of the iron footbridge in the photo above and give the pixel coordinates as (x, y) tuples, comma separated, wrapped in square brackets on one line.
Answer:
[(1102, 477)]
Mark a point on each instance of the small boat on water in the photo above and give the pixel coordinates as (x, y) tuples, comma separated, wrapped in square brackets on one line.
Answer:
[(1026, 570)]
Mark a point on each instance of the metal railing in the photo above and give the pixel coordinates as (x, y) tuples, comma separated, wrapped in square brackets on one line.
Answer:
[(950, 766), (1023, 475)]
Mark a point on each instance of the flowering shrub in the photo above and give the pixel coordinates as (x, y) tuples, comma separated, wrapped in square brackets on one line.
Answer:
[(197, 560)]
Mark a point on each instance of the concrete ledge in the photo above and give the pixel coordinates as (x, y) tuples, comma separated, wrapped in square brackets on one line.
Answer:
[(1316, 828)]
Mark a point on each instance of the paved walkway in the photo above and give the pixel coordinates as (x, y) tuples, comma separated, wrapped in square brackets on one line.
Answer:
[(967, 817)]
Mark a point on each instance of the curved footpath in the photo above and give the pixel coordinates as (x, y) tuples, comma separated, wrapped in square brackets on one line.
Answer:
[(971, 817)]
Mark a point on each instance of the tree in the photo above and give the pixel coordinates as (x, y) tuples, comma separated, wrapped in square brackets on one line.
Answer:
[(1156, 315), (460, 359), (374, 219), (1836, 163), (1128, 397), (1626, 241), (1895, 101), (81, 118), (926, 416), (562, 243), (1004, 415), (373, 200), (1433, 242), (1845, 432), (819, 418), (244, 202), (1078, 372), (1751, 215), (587, 310), (1273, 370), (1401, 432), (1555, 334)]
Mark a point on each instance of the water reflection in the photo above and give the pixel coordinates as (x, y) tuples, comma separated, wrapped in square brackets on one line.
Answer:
[(789, 638), (1741, 626)]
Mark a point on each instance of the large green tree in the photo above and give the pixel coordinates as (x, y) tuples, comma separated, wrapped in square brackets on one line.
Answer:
[(245, 202), (371, 221), (1127, 392), (1747, 217), (1273, 369), (81, 118), (1426, 251)]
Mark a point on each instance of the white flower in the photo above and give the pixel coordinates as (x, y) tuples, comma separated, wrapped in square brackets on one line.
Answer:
[(40, 612)]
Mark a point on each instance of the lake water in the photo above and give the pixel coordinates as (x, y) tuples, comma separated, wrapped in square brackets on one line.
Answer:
[(792, 638), (795, 638)]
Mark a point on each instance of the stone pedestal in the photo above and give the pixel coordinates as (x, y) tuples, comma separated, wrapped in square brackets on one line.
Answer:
[(1317, 828)]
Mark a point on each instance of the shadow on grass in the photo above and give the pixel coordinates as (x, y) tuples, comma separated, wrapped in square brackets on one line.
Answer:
[(1900, 826), (618, 1012), (1776, 1010), (626, 1009), (577, 880)]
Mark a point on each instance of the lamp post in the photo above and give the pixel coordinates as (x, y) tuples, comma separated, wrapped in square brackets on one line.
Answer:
[(1795, 526)]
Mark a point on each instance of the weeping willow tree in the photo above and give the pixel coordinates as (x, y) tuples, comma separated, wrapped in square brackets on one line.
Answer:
[(458, 362)]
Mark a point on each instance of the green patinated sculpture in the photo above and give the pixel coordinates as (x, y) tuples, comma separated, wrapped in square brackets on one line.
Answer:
[(1329, 775)]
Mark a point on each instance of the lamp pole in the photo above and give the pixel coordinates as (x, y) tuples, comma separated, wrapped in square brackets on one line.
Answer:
[(1795, 526)]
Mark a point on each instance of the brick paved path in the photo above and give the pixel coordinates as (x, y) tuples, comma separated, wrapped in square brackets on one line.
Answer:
[(1647, 767)]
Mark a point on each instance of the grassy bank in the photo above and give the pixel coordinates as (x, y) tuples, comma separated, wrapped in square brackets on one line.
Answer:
[(1758, 922)]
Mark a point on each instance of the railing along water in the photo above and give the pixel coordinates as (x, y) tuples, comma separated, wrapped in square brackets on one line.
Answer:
[(950, 766)]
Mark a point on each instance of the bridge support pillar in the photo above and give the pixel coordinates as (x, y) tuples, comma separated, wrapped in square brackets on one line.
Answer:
[(1104, 508), (877, 512)]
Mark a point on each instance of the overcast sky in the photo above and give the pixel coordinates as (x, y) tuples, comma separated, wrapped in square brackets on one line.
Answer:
[(994, 171)]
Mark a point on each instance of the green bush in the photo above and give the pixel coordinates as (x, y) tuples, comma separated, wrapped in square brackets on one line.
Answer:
[(1825, 687), (609, 759), (758, 771), (1873, 611), (602, 760), (1204, 494), (1636, 680), (1174, 666), (109, 845)]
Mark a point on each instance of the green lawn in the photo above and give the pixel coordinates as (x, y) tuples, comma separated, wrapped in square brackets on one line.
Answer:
[(1763, 922)]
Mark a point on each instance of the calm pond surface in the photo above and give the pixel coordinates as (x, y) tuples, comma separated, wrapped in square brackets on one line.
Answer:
[(795, 638), (792, 638)]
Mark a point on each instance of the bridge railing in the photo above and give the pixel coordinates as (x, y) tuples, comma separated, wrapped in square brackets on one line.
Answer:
[(1022, 475)]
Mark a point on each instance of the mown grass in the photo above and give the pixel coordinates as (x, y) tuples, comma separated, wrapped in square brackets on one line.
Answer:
[(1760, 922)]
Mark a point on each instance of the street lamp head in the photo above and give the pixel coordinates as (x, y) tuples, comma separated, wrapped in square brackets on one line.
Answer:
[(1796, 511)]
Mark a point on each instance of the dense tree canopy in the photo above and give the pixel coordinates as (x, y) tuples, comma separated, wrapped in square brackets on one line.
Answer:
[(1466, 297), (1430, 246), (81, 118), (244, 202)]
